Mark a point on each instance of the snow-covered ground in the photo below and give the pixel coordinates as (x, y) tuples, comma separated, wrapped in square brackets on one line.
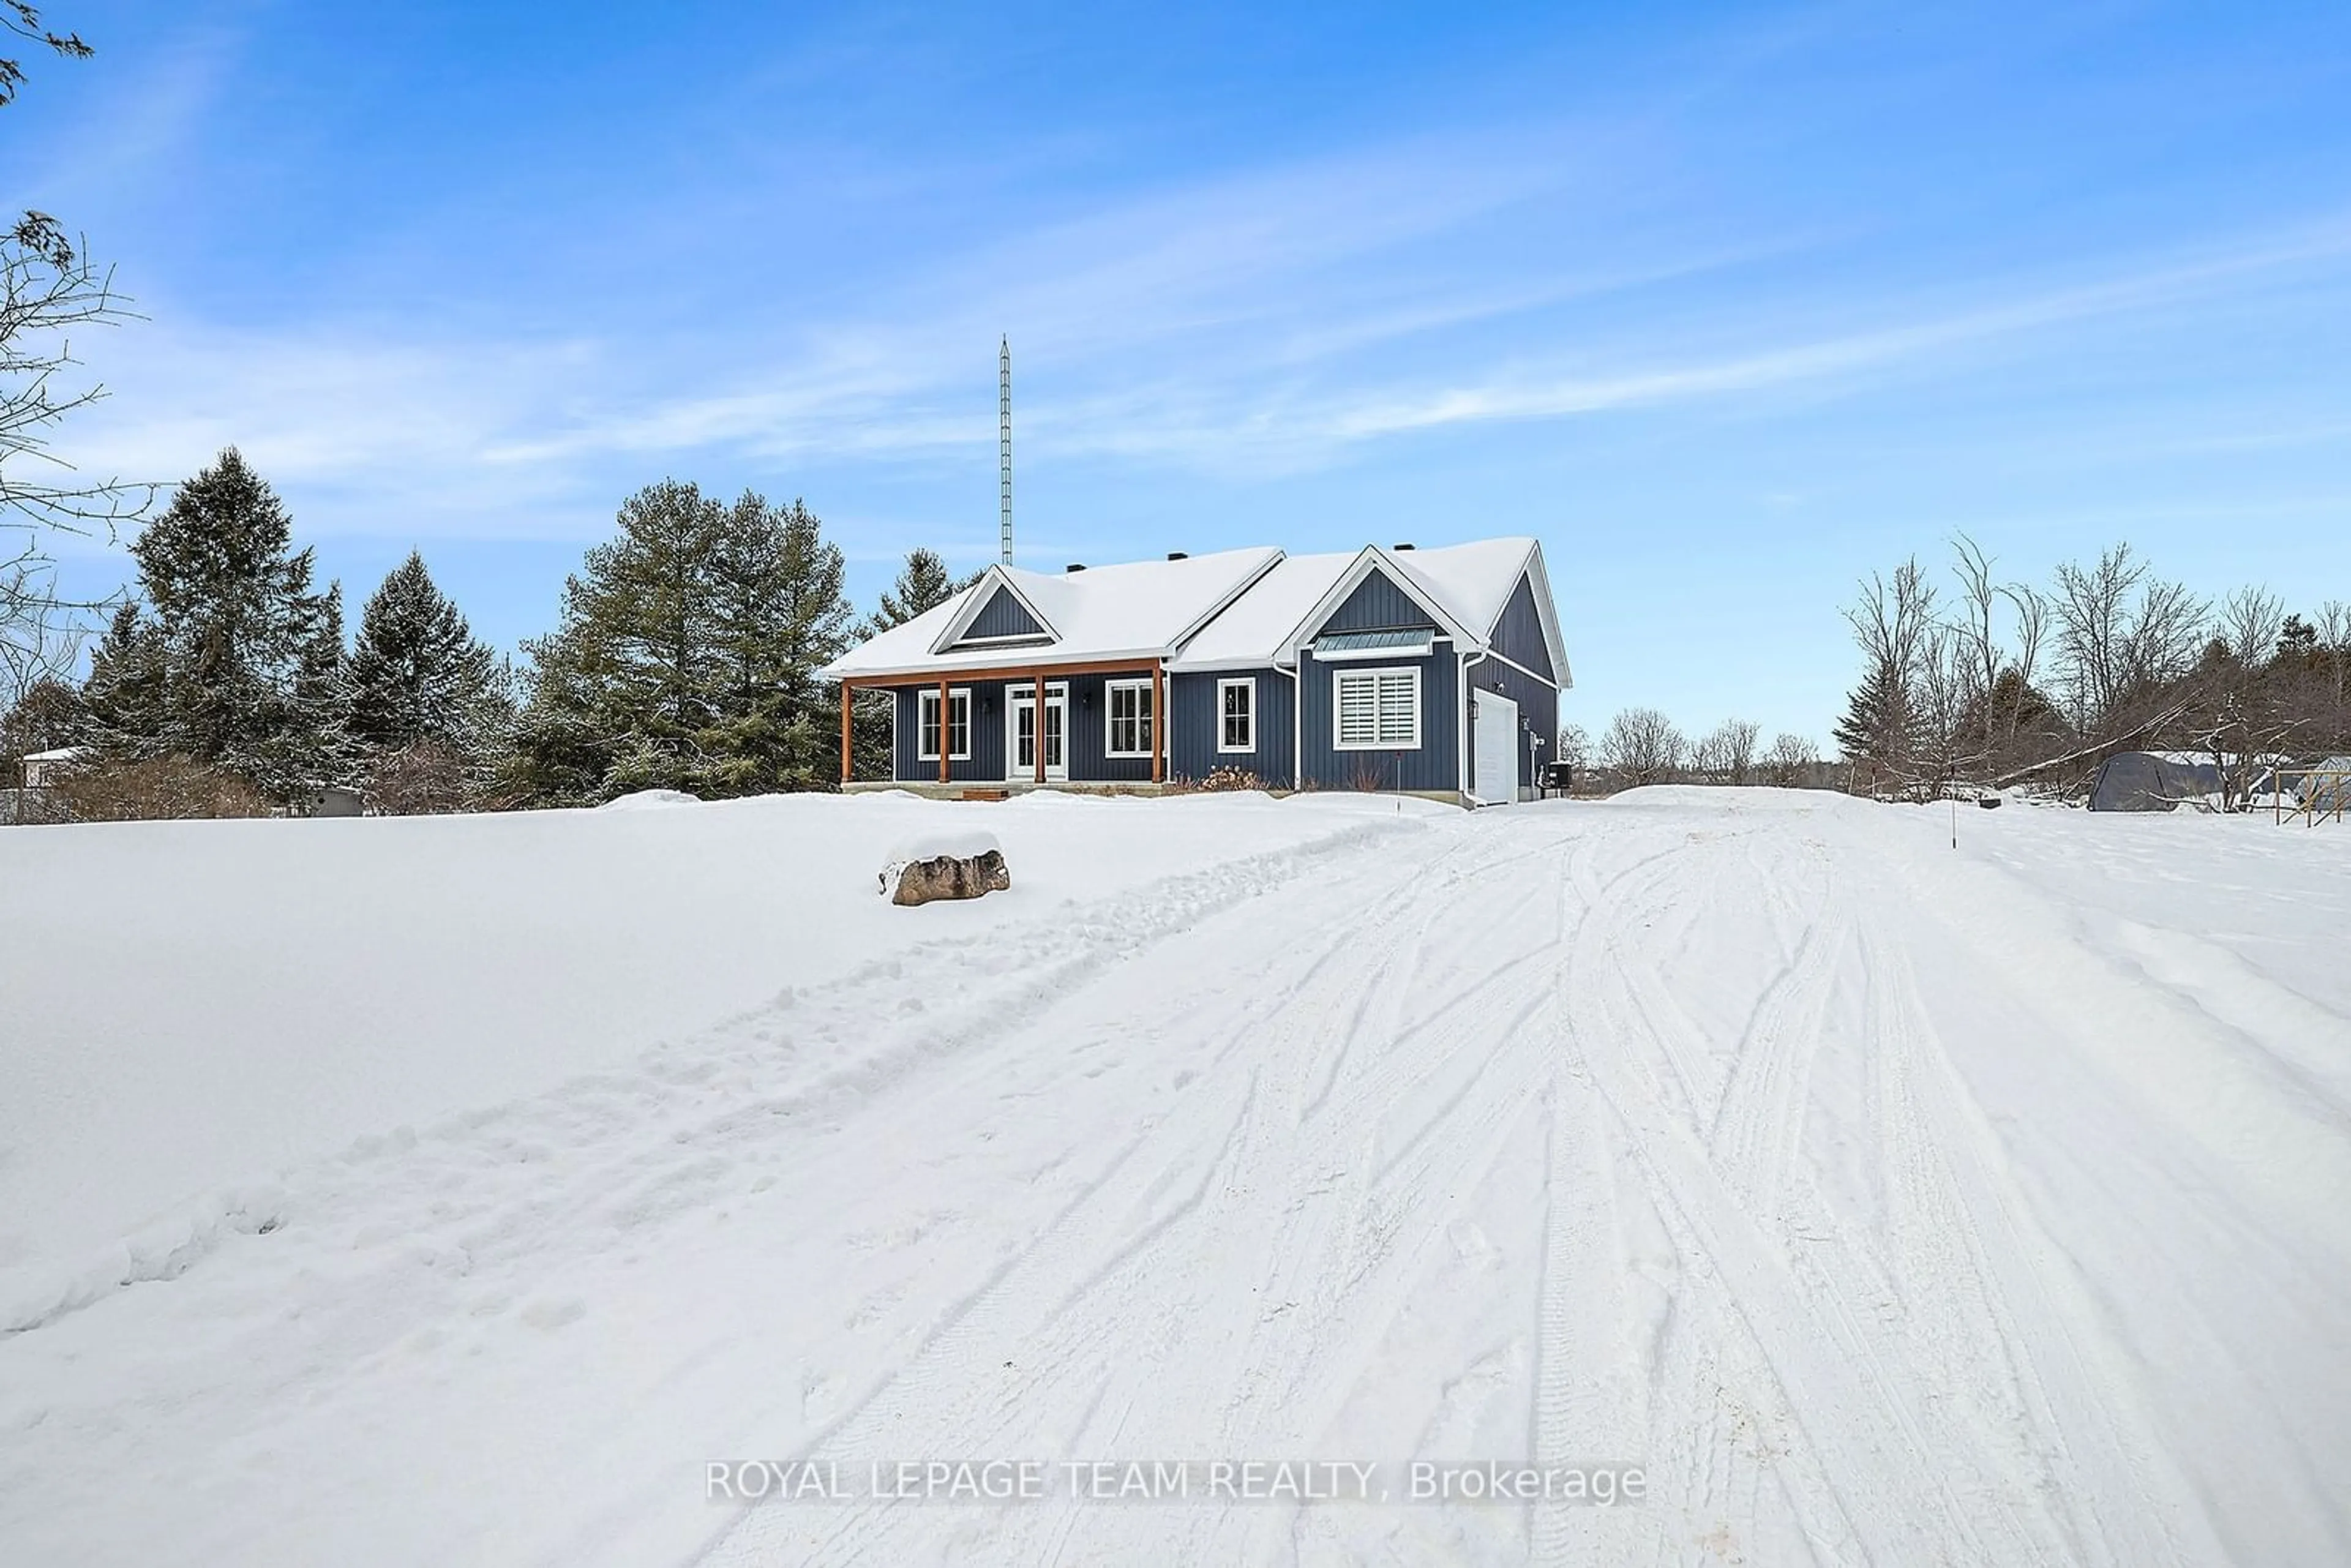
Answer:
[(458, 1191)]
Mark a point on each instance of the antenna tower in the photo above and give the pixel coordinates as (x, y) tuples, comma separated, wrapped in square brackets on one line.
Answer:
[(1004, 447)]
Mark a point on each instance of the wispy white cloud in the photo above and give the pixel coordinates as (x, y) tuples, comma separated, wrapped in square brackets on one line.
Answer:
[(1270, 320)]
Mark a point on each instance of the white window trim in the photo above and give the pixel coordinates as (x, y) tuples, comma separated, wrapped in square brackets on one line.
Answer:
[(1247, 683), (1339, 678), (1110, 725), (931, 694)]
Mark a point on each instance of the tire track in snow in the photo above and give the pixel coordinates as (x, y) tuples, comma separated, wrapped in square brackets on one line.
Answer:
[(1918, 1368), (1740, 1302), (1760, 1121), (1062, 1305), (2002, 1314), (1334, 1237)]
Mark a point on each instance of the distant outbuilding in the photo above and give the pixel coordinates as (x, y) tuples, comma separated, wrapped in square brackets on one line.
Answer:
[(2151, 781), (43, 769)]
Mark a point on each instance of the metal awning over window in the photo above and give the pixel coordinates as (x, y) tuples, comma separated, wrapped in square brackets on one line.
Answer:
[(1335, 646)]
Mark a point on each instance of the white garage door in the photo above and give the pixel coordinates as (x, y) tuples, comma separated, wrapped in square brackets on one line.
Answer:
[(1495, 743)]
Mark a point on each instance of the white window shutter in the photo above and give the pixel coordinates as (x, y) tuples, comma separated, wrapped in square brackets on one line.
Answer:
[(1359, 722)]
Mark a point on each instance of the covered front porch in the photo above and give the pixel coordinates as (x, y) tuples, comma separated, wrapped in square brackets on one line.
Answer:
[(1098, 725)]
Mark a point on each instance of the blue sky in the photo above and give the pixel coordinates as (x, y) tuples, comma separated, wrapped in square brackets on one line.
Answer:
[(1726, 305)]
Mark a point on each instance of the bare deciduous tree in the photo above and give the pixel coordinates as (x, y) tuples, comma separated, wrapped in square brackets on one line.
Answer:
[(2032, 614), (2335, 636), (48, 286), (1574, 746), (40, 639), (1640, 746), (2092, 611), (1729, 751), (1890, 622), (2250, 620), (1946, 688), (2167, 632), (1790, 759), (2120, 632), (1974, 626)]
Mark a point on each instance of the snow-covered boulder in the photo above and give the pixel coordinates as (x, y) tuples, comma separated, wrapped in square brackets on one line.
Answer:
[(944, 865)]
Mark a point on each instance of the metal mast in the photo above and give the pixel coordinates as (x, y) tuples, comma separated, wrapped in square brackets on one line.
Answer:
[(1004, 446)]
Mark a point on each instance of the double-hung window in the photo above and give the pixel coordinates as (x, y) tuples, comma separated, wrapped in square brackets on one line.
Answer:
[(1237, 713), (1376, 710), (926, 748), (1130, 719)]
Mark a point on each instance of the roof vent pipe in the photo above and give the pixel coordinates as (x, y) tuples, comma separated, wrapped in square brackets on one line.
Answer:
[(1075, 565), (1400, 547), (1177, 555)]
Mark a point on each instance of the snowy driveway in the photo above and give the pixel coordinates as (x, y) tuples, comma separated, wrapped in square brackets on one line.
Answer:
[(1885, 1204)]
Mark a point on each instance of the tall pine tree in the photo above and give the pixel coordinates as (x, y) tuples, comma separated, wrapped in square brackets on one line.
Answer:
[(687, 654), (923, 583), (1879, 727), (230, 658), (417, 674)]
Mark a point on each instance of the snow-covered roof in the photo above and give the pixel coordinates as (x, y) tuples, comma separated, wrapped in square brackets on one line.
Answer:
[(61, 754), (1142, 610), (1259, 622), (1466, 586), (1474, 581), (1232, 610)]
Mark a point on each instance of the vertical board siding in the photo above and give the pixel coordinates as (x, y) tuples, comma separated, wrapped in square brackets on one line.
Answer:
[(1377, 605), (986, 764), (1002, 616), (1089, 734), (1198, 720), (1518, 635), (1436, 765)]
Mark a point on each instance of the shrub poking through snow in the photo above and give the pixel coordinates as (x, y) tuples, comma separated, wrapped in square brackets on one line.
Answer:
[(944, 865), (1230, 778)]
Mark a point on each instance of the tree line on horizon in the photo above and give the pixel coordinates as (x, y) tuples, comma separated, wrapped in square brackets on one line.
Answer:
[(2002, 683), (683, 657), (1984, 682)]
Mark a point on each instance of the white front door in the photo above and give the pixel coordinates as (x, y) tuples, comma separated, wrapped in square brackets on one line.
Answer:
[(1494, 742), (1021, 718)]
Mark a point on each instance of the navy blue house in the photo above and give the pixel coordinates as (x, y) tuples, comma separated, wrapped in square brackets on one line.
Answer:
[(1431, 672)]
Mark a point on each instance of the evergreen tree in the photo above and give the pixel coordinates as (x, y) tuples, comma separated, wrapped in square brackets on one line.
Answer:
[(123, 698), (687, 654), (49, 715), (316, 745), (416, 672), (923, 583), (234, 661), (1879, 725)]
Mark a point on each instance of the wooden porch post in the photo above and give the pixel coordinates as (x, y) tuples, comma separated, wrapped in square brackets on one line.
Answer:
[(946, 732), (844, 732), (1158, 721), (1037, 728)]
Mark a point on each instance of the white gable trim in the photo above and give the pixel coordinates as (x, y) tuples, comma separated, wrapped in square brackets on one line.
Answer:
[(1546, 614), (1374, 559), (1224, 602), (991, 581)]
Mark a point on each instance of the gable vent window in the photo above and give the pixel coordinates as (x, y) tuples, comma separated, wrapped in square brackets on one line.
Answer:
[(1377, 709)]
